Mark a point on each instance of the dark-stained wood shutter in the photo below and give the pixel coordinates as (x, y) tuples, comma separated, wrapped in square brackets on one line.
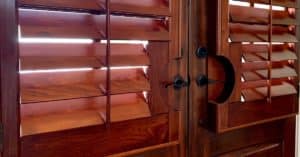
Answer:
[(94, 76), (259, 39)]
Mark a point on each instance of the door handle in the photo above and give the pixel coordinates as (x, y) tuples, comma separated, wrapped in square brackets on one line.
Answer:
[(203, 80), (178, 83)]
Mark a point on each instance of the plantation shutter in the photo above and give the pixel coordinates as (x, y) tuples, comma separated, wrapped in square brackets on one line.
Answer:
[(257, 56), (94, 76)]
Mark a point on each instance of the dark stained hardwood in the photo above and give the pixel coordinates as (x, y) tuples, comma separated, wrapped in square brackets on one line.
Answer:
[(104, 93), (258, 150), (249, 125), (158, 74), (46, 63), (120, 137), (286, 3), (261, 16), (113, 109), (259, 33), (128, 81), (33, 125), (143, 7), (45, 56), (65, 25), (40, 87), (9, 79)]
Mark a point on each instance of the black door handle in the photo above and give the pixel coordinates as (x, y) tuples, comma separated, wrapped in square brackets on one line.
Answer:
[(178, 83), (203, 80)]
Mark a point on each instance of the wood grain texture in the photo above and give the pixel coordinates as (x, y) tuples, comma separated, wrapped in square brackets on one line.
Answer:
[(74, 4), (51, 86), (241, 14), (46, 63), (127, 81), (258, 150), (66, 25), (253, 112), (123, 112), (285, 3), (61, 92), (243, 125), (91, 55), (60, 25), (85, 142), (74, 105), (128, 60), (158, 75), (59, 122), (9, 79), (280, 52), (261, 73), (144, 7), (259, 33)]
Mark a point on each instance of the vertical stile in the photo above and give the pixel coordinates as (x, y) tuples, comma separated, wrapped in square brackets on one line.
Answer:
[(269, 95), (108, 58)]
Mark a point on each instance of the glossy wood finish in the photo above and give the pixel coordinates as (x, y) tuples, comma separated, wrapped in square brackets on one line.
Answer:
[(104, 92), (83, 25), (112, 110), (9, 78), (144, 7), (243, 129), (142, 133), (90, 55), (256, 77)]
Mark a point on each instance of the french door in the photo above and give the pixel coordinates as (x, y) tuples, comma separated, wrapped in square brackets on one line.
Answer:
[(149, 78), (244, 72), (92, 78)]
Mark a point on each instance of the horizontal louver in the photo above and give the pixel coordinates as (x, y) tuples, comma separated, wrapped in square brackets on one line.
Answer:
[(144, 7), (106, 75), (267, 41), (55, 24)]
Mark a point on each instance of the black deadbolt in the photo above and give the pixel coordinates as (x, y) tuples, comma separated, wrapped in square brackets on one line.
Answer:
[(178, 83), (201, 52)]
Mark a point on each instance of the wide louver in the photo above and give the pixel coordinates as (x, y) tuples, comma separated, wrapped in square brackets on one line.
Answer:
[(96, 67)]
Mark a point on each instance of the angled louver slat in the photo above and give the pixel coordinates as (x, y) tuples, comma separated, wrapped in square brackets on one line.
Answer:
[(260, 16), (97, 64), (284, 3), (84, 65), (60, 86), (259, 33), (260, 39), (40, 63), (143, 7), (65, 25), (128, 81), (56, 122)]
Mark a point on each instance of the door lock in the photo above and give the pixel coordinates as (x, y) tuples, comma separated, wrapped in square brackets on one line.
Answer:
[(201, 52), (178, 82)]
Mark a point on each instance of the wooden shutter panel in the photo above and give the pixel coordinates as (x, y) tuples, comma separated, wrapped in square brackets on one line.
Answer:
[(259, 38), (107, 91)]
